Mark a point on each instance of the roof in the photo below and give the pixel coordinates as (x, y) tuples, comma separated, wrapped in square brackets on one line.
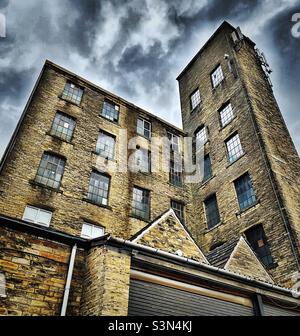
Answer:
[(220, 255), (224, 25), (106, 92)]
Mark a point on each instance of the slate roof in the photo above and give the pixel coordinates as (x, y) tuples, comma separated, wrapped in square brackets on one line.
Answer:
[(220, 255)]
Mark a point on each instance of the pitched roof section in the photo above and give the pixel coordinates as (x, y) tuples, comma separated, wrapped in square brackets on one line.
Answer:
[(244, 261), (168, 234), (220, 255)]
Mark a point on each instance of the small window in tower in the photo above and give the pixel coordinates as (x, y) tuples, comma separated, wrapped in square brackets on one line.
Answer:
[(245, 191), (217, 76), (226, 114), (258, 241), (174, 142), (195, 99), (201, 136), (207, 174), (72, 93), (37, 216), (212, 211), (143, 160), (50, 171), (234, 148), (178, 208), (175, 174), (63, 126), (91, 231), (141, 203), (144, 128), (98, 188), (105, 146), (110, 111)]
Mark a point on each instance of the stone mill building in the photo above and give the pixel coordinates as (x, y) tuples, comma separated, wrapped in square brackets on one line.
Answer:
[(79, 237)]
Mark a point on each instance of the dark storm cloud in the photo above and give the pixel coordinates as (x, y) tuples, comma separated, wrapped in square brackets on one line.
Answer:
[(135, 48)]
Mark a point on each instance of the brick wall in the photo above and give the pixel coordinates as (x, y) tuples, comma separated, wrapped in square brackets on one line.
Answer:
[(106, 283), (35, 270)]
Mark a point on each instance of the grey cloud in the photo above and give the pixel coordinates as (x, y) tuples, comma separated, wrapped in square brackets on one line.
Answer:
[(105, 41)]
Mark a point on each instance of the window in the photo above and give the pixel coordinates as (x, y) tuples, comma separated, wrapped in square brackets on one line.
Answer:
[(50, 171), (212, 211), (226, 115), (234, 148), (37, 216), (174, 142), (63, 126), (245, 192), (141, 203), (110, 111), (72, 93), (217, 76), (175, 172), (201, 136), (258, 241), (91, 231), (143, 160), (106, 145), (98, 188), (178, 208), (207, 174), (143, 128), (195, 99)]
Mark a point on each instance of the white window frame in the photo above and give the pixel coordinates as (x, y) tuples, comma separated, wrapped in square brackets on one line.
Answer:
[(195, 99), (216, 80), (204, 128), (173, 136), (143, 127), (93, 228), (38, 211)]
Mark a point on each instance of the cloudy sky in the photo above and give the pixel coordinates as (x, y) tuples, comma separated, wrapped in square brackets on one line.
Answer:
[(136, 48)]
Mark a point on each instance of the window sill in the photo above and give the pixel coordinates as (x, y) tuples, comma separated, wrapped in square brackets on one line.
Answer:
[(213, 228), (215, 88), (112, 121), (197, 108), (250, 207), (58, 138), (225, 126), (271, 266), (146, 220), (70, 101), (233, 162), (143, 136), (40, 185), (105, 158), (97, 204), (175, 185), (207, 181)]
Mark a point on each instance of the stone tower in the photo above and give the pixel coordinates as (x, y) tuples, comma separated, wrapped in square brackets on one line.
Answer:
[(251, 167)]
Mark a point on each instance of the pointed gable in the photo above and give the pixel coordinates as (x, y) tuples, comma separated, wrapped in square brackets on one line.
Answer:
[(244, 261), (168, 234)]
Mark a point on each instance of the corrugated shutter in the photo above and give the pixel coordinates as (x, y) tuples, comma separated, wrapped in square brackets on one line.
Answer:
[(150, 299), (279, 311)]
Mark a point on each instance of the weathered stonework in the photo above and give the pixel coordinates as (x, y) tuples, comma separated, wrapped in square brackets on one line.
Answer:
[(244, 261), (35, 270), (106, 283), (246, 87), (168, 234)]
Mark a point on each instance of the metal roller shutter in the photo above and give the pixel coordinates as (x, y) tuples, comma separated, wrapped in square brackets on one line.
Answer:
[(150, 299), (279, 311)]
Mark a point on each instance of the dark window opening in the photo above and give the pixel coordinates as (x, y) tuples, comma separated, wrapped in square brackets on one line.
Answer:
[(212, 211)]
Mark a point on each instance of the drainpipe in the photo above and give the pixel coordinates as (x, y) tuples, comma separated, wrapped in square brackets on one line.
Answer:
[(68, 282)]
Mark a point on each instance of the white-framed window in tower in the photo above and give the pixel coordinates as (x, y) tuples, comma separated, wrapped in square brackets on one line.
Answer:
[(143, 127), (217, 76), (201, 136), (37, 216), (226, 114), (174, 142), (234, 147), (195, 99), (91, 231)]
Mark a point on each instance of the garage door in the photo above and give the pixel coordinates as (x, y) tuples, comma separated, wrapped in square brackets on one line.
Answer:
[(279, 311), (150, 299)]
